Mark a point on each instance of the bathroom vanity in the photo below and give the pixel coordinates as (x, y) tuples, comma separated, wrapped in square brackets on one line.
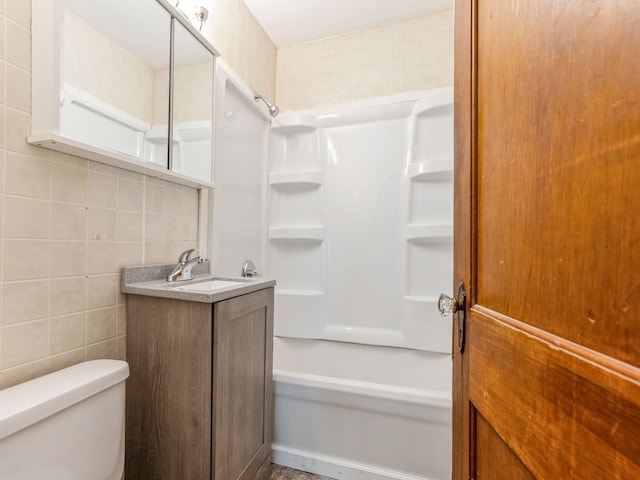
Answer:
[(199, 399)]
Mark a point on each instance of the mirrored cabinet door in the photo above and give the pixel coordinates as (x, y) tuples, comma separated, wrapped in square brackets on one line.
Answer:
[(192, 112), (114, 76), (108, 76)]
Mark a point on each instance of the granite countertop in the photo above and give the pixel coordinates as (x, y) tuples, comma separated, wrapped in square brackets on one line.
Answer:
[(152, 281)]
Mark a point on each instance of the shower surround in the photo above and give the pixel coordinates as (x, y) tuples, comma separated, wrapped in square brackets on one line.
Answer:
[(350, 210), (360, 221)]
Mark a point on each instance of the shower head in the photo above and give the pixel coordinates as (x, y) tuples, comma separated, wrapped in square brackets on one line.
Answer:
[(273, 109)]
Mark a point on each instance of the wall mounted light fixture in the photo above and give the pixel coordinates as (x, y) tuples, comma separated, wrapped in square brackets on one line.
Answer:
[(200, 14)]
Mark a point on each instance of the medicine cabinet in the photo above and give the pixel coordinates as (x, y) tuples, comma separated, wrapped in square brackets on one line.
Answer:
[(129, 84)]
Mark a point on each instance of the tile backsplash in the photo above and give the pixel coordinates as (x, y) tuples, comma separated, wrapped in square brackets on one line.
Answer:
[(68, 226)]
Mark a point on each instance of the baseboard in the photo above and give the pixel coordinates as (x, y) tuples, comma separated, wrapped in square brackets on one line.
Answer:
[(332, 467)]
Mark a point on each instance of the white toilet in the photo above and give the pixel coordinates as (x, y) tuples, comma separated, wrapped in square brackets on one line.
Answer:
[(68, 425)]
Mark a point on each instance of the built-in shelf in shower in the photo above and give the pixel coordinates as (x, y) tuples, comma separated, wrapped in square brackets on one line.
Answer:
[(301, 312), (430, 170), (295, 180), (431, 138), (314, 234), (419, 233), (294, 124), (297, 248)]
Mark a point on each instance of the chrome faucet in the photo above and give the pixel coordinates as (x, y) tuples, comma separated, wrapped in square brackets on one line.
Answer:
[(186, 261)]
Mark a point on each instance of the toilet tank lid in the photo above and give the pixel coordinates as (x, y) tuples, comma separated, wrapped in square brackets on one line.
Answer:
[(29, 402)]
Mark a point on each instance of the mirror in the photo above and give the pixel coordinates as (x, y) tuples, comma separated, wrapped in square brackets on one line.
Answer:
[(192, 106), (110, 75), (114, 59)]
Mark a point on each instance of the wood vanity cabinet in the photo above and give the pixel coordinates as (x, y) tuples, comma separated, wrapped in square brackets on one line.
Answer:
[(200, 394)]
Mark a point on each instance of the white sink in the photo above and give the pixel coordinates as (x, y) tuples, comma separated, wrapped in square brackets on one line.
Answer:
[(210, 286)]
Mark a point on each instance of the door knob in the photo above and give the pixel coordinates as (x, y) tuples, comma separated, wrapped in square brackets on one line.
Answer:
[(449, 305)]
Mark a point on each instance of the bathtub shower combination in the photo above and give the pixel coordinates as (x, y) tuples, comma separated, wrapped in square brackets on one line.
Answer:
[(350, 210)]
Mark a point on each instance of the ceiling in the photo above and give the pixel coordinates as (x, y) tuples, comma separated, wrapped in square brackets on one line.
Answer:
[(288, 22)]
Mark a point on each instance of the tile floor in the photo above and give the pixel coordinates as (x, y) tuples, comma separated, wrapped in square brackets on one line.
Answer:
[(285, 473)]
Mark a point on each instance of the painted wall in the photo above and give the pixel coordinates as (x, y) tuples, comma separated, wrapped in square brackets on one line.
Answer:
[(405, 56)]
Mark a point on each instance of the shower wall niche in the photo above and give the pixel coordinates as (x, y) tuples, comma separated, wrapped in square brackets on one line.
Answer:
[(297, 248), (429, 215), (360, 221)]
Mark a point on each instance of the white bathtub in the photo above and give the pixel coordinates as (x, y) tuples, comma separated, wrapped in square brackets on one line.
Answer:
[(393, 422)]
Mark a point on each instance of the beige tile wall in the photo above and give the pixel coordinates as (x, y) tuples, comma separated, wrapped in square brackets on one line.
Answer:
[(193, 86), (67, 227), (193, 97), (100, 72), (244, 45), (405, 56)]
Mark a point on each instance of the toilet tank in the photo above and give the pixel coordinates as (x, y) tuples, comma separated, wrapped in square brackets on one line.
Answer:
[(68, 425)]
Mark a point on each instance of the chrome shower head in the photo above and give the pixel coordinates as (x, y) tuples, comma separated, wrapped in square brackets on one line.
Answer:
[(273, 109)]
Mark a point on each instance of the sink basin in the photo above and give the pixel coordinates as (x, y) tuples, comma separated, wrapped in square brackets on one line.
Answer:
[(210, 286)]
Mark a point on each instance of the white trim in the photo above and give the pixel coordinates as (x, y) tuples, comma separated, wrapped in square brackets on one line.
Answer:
[(63, 144), (333, 467), (203, 222), (369, 390), (223, 73)]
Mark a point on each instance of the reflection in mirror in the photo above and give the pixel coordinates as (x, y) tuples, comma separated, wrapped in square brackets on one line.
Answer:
[(192, 106), (115, 59)]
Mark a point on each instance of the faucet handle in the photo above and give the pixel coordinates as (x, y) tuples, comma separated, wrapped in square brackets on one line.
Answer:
[(188, 255), (249, 269)]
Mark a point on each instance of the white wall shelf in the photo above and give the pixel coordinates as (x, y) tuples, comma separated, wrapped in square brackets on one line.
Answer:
[(295, 180), (297, 235), (313, 234), (428, 233), (430, 170), (291, 124), (59, 143)]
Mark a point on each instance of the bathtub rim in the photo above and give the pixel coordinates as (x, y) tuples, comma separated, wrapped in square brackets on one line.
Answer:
[(440, 399)]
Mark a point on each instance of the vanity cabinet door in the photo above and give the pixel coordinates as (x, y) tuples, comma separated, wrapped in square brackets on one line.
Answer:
[(242, 386), (168, 420)]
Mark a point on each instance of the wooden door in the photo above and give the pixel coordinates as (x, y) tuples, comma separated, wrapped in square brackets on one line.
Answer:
[(547, 239)]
